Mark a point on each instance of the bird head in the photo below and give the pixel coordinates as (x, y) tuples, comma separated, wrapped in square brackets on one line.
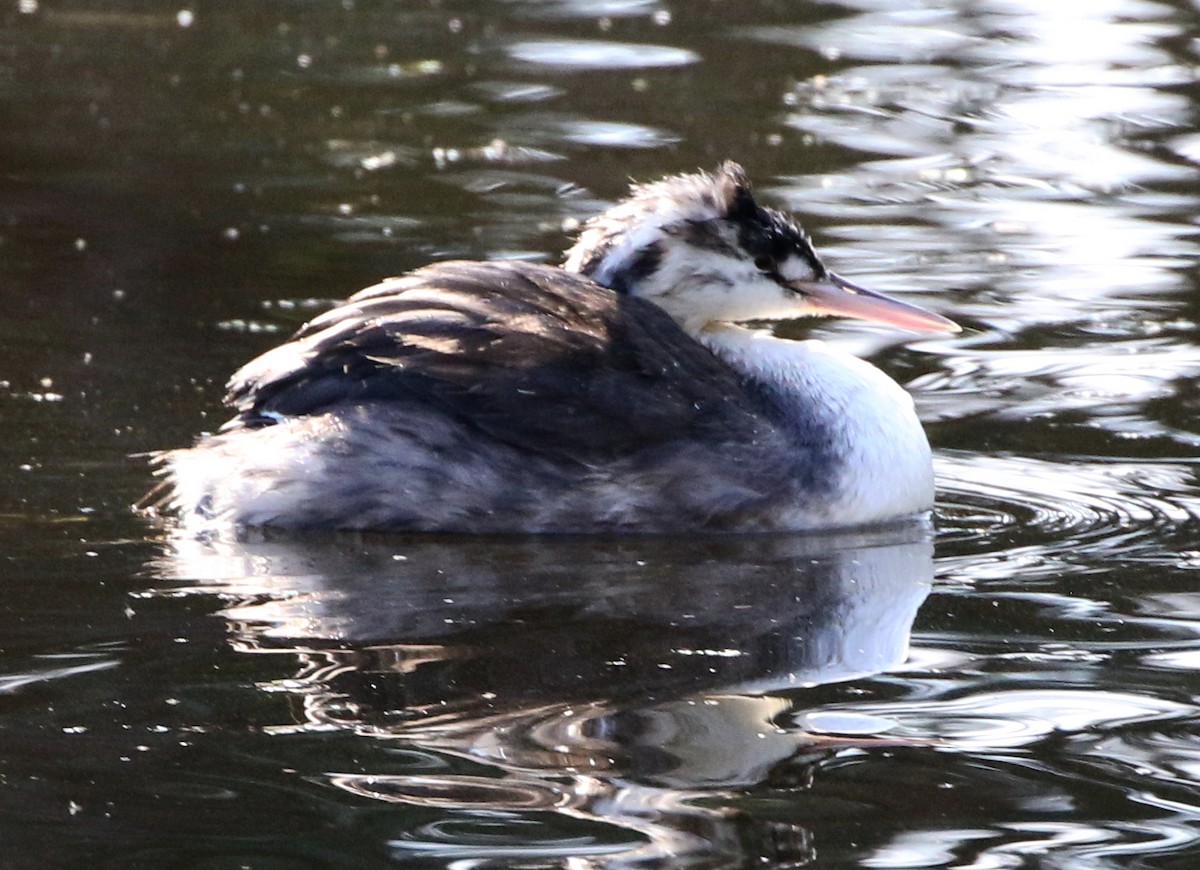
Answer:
[(703, 249)]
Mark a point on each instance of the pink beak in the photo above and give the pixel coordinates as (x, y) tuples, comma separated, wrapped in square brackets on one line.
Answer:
[(841, 298)]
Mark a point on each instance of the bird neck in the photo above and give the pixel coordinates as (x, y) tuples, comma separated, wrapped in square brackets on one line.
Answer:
[(785, 366), (812, 370), (866, 420)]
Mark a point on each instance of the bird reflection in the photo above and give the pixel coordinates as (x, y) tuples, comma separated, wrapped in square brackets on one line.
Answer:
[(611, 699)]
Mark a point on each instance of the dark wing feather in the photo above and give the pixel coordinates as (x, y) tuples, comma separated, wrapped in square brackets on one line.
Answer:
[(533, 356)]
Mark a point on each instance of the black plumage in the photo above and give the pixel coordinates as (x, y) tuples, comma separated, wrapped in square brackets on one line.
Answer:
[(528, 355)]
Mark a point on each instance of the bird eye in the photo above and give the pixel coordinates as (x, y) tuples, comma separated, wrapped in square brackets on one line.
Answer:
[(764, 263)]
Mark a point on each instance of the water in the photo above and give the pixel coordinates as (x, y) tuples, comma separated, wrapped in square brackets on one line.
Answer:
[(1012, 686)]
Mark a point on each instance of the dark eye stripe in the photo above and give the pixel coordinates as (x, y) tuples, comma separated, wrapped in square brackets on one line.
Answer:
[(772, 237)]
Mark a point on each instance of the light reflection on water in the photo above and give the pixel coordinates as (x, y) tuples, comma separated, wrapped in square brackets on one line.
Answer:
[(610, 681), (1029, 169), (1004, 133), (589, 55)]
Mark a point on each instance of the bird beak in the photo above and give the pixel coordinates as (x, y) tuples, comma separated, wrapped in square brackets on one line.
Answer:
[(840, 298)]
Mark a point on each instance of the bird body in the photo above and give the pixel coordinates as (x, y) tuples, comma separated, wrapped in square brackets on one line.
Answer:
[(617, 393)]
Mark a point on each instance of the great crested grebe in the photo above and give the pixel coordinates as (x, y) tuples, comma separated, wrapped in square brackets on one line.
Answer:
[(616, 393)]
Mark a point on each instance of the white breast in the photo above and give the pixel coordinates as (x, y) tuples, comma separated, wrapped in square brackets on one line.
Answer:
[(885, 465)]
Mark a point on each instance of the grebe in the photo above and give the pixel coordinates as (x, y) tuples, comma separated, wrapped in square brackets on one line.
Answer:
[(616, 393)]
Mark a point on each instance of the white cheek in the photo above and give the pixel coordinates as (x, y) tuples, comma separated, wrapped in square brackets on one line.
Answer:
[(797, 269), (758, 297), (699, 287), (708, 278)]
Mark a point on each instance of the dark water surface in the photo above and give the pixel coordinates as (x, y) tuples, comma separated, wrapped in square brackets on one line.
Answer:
[(181, 186)]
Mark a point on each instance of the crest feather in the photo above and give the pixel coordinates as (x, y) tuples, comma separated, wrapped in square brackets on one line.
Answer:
[(735, 190)]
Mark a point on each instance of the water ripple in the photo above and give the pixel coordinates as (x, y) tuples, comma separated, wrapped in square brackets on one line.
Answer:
[(13, 682), (1001, 720), (516, 92), (498, 838), (553, 130), (1061, 512), (457, 791), (1008, 134), (584, 54), (1167, 753), (916, 38), (551, 10), (489, 818), (1108, 386)]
